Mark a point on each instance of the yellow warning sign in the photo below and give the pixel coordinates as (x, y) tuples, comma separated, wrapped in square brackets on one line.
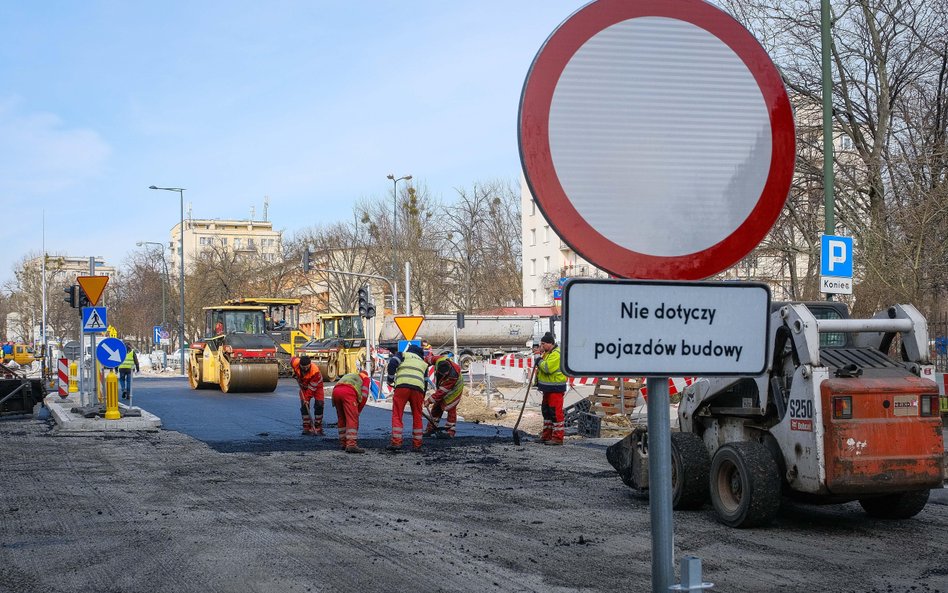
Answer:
[(409, 324), (93, 286)]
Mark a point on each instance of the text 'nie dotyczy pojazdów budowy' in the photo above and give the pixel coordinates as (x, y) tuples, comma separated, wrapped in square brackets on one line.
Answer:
[(674, 313)]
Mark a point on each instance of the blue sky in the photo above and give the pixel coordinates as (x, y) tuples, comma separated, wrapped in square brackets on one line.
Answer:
[(311, 103)]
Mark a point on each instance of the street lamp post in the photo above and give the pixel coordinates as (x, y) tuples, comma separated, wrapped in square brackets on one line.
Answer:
[(395, 230), (164, 264), (180, 191)]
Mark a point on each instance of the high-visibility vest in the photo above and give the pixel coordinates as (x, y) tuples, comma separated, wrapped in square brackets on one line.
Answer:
[(312, 381), (411, 372), (129, 362), (550, 379), (358, 384), (452, 393)]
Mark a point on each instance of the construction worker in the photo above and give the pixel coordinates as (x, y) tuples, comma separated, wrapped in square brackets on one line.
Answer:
[(125, 371), (449, 385), (349, 397), (407, 374), (552, 383), (311, 388)]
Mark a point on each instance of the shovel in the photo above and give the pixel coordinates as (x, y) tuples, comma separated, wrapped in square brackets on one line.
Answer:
[(516, 433)]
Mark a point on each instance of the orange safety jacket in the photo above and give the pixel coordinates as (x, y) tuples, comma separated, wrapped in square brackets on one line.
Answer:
[(312, 383)]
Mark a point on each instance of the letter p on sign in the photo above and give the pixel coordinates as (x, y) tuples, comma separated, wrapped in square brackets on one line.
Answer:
[(836, 256)]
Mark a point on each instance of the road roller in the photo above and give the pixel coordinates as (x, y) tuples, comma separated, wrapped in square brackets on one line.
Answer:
[(236, 353), (340, 347)]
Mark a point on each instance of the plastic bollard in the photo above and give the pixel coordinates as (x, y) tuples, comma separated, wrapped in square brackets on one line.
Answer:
[(111, 397), (73, 374)]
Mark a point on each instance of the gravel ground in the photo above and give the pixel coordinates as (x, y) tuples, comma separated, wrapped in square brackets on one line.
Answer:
[(164, 512)]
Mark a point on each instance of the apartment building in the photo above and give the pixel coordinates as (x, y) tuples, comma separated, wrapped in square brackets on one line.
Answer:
[(546, 257), (249, 237)]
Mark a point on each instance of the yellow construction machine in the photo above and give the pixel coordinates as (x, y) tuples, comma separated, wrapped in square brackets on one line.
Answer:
[(237, 353), (283, 325), (340, 347)]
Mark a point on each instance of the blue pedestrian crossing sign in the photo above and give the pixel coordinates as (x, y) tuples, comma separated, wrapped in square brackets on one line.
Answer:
[(111, 352), (94, 320)]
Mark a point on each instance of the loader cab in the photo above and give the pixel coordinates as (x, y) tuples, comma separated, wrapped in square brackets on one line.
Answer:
[(824, 310)]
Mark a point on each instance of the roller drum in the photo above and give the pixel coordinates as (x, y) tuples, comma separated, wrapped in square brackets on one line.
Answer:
[(242, 377)]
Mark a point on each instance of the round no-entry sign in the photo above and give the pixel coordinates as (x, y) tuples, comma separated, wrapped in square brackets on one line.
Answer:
[(657, 137)]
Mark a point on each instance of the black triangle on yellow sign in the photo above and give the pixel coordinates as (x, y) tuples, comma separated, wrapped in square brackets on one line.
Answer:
[(93, 286)]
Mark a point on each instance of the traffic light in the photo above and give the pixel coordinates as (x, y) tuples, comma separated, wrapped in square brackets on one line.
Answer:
[(82, 298), (370, 311), (306, 260), (363, 302), (71, 293)]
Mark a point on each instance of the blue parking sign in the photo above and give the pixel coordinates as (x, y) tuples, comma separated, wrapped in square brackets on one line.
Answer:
[(836, 256)]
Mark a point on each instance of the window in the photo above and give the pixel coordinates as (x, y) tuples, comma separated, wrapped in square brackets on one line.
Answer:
[(546, 234), (533, 267), (533, 236), (236, 242), (546, 264), (533, 206), (533, 296), (250, 243)]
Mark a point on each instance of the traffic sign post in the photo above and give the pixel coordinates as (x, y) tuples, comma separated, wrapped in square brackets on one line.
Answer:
[(662, 328), (669, 115), (409, 324), (836, 264), (111, 352), (94, 320)]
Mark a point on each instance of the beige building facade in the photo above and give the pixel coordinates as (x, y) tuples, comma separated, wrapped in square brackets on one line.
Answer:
[(249, 237), (546, 257)]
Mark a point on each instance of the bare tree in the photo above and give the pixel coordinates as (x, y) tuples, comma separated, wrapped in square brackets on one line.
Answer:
[(889, 108)]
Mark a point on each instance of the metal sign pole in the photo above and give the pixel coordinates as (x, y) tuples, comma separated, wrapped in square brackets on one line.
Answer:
[(660, 486)]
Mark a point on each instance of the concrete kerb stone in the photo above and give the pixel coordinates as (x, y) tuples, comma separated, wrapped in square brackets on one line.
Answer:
[(72, 423)]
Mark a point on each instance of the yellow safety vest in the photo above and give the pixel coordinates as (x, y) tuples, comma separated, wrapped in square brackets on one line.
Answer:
[(411, 372), (550, 379), (129, 362)]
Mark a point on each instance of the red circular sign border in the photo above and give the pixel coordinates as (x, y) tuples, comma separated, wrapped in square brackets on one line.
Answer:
[(541, 176)]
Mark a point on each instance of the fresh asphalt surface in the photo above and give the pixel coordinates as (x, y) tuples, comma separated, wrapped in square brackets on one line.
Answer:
[(215, 417)]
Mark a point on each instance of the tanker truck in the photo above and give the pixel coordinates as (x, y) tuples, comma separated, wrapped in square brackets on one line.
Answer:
[(486, 336)]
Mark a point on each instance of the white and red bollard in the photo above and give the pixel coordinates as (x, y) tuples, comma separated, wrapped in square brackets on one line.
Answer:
[(63, 371)]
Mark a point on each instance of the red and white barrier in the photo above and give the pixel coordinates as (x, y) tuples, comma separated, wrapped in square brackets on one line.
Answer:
[(519, 361), (63, 372)]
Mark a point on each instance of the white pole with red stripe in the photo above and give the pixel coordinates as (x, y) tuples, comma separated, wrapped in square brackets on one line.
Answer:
[(63, 372)]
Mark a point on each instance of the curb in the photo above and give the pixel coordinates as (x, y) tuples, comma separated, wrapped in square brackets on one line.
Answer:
[(69, 422)]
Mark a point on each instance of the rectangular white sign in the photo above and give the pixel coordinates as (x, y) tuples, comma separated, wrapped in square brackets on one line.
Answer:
[(836, 285), (657, 328)]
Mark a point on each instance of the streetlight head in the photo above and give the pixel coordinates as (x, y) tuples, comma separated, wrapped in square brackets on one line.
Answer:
[(390, 176), (407, 177), (152, 187), (138, 243)]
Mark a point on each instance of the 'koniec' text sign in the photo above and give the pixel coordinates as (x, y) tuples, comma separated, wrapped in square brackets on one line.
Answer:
[(642, 328)]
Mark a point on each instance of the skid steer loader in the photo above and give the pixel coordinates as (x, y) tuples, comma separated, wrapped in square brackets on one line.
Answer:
[(834, 418)]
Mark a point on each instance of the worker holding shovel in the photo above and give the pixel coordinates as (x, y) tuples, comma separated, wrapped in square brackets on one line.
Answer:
[(449, 385), (551, 381), (349, 397)]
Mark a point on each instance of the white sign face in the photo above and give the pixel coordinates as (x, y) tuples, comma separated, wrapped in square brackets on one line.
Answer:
[(641, 328), (834, 285)]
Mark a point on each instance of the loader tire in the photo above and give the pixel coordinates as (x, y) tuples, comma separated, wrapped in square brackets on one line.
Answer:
[(464, 361), (903, 505), (745, 484), (691, 466)]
